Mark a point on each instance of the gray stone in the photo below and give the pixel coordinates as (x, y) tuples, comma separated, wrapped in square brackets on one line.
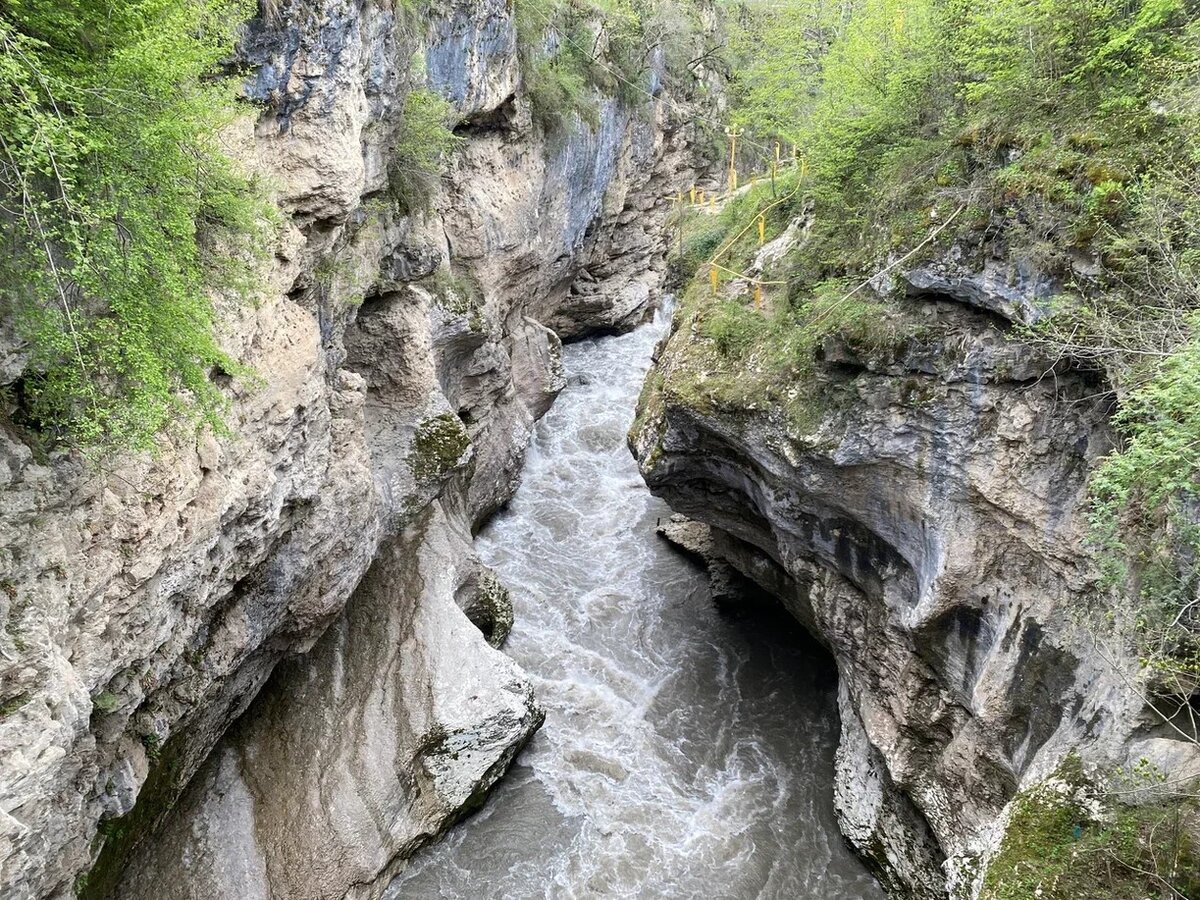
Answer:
[(177, 584), (928, 526)]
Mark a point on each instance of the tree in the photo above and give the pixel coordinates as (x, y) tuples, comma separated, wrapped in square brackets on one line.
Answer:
[(116, 209)]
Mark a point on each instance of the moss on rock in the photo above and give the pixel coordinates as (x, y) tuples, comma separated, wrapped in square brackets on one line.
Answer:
[(117, 838), (459, 295), (437, 447), (1065, 841), (491, 609)]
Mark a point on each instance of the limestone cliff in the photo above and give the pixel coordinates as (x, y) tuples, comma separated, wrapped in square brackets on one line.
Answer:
[(322, 549), (920, 509)]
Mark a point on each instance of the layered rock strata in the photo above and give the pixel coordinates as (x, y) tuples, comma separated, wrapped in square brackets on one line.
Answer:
[(403, 357), (919, 506)]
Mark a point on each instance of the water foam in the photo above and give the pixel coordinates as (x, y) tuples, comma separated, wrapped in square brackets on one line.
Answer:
[(685, 753)]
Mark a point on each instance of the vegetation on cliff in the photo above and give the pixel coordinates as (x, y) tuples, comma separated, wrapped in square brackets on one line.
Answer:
[(424, 143), (575, 52), (1066, 839), (1060, 133), (122, 219), (116, 205)]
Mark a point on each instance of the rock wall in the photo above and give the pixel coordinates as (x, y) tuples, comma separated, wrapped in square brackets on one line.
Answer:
[(390, 729), (924, 519), (403, 361)]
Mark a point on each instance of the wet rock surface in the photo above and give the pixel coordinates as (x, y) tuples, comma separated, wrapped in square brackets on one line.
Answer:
[(392, 727)]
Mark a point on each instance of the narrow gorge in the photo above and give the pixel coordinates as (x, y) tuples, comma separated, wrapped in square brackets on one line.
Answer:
[(572, 520)]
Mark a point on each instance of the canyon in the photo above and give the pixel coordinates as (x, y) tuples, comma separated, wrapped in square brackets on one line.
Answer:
[(319, 558), (267, 664), (923, 512)]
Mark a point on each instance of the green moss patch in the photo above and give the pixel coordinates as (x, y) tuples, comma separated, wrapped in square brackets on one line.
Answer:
[(105, 702), (1067, 841), (491, 609), (437, 447)]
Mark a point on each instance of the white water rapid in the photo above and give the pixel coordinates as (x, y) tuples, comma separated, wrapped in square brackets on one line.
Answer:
[(686, 752)]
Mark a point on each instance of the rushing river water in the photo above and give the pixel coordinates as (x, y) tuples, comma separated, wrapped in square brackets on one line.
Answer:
[(686, 753)]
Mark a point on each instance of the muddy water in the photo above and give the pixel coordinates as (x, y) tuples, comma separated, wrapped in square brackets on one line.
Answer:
[(686, 753)]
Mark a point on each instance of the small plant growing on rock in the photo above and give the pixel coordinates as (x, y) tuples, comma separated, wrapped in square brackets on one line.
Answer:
[(105, 702), (424, 143), (11, 705)]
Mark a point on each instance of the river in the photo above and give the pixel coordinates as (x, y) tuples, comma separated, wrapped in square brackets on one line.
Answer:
[(686, 752)]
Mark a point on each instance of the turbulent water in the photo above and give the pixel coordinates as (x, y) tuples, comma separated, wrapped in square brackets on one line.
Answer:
[(685, 752)]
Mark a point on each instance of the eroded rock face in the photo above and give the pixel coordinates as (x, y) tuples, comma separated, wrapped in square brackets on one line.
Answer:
[(147, 601), (393, 726), (925, 521)]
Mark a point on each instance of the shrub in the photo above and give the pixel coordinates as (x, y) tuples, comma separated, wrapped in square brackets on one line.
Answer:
[(702, 236), (118, 211), (559, 92), (733, 327), (424, 142)]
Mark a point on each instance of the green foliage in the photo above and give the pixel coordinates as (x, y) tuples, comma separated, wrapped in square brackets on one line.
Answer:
[(1144, 520), (118, 210), (1160, 458), (561, 60), (1068, 129), (777, 53), (733, 327), (576, 51), (1065, 840), (425, 140), (903, 107), (702, 235), (559, 91)]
